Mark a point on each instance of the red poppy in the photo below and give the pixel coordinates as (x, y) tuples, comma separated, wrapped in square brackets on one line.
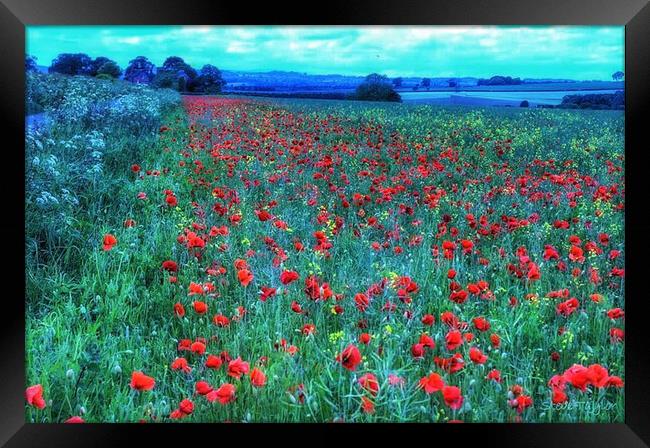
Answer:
[(237, 368), (179, 310), (197, 347), (186, 406), (428, 319), (196, 288), (370, 383), (224, 395), (350, 357), (140, 381), (34, 396), (477, 356), (245, 277), (109, 241), (200, 307), (452, 396), (288, 276), (75, 419), (454, 339), (258, 379), (181, 364), (367, 406), (432, 383), (170, 266), (213, 362), (220, 320)]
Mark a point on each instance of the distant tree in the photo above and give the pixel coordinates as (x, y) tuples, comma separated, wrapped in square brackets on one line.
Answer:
[(208, 81), (71, 64), (397, 82), (165, 79), (30, 63), (96, 63), (376, 87), (109, 68), (426, 82), (140, 70), (182, 70), (617, 76), (452, 83), (499, 81), (524, 103)]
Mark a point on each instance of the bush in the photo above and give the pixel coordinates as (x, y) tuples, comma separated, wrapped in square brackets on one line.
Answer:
[(524, 103), (376, 88), (74, 166), (594, 101)]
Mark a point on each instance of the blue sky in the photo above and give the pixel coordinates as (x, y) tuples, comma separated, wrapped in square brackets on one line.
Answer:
[(575, 52)]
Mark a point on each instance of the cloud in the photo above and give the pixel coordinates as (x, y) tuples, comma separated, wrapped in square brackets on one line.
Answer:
[(528, 51)]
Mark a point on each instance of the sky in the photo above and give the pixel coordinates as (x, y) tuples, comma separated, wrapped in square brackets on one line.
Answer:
[(568, 52)]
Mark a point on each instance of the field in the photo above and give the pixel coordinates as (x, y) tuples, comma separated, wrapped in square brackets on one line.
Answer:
[(207, 259)]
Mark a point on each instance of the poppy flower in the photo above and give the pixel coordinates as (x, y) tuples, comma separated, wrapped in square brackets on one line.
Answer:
[(454, 339), (245, 277), (350, 357), (428, 319), (213, 362), (432, 383), (197, 347), (220, 320), (203, 388), (140, 381), (367, 406), (364, 338), (179, 310), (362, 301), (75, 419), (369, 383), (495, 375), (186, 406), (195, 288), (237, 368), (224, 395), (170, 266), (258, 379), (452, 396), (477, 356), (109, 242), (200, 307), (181, 364), (288, 277), (34, 396)]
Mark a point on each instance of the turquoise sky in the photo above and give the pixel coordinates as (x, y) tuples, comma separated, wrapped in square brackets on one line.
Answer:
[(576, 52)]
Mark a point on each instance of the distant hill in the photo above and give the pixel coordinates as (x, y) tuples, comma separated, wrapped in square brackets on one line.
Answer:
[(292, 81)]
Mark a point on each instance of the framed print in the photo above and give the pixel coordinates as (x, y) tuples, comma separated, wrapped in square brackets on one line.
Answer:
[(394, 217)]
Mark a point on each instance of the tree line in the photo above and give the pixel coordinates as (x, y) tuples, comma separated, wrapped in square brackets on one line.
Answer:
[(175, 73)]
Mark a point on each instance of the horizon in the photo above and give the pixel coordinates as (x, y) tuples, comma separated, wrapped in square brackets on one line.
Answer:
[(534, 52)]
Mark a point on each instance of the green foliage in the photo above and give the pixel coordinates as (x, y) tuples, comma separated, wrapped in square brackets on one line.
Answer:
[(140, 70), (209, 81), (376, 88), (110, 69), (72, 64), (594, 101)]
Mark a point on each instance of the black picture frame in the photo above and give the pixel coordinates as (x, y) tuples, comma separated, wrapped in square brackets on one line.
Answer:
[(16, 14)]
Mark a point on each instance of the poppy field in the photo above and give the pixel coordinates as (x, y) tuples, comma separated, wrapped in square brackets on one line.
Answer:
[(269, 260)]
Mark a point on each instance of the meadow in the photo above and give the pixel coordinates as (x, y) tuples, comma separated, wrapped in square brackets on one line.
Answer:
[(218, 259)]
